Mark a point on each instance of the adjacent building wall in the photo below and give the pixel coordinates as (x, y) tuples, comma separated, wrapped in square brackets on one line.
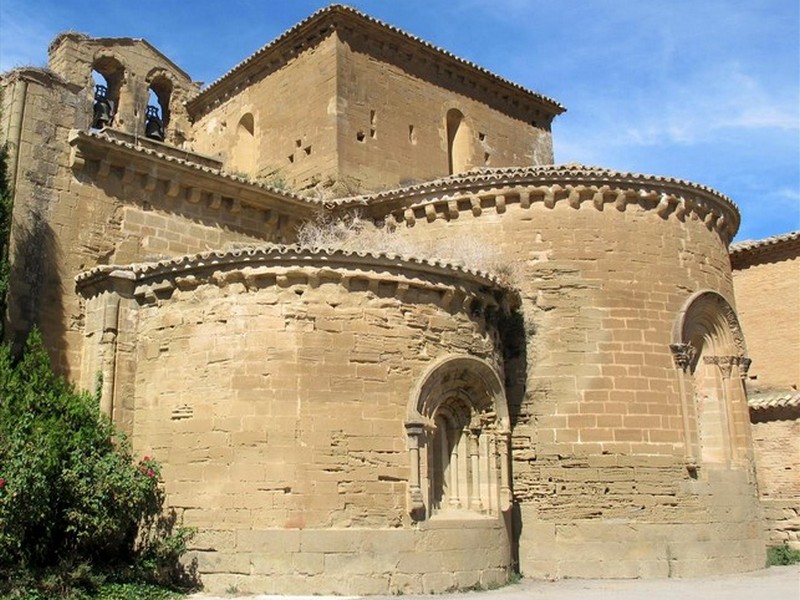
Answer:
[(767, 282), (766, 278)]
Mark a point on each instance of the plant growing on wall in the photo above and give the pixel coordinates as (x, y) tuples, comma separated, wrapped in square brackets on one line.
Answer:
[(5, 235)]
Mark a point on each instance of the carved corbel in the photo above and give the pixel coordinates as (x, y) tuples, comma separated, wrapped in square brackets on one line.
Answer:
[(664, 205), (475, 204), (574, 197), (550, 197), (173, 188), (104, 169), (621, 201), (452, 209), (194, 195), (430, 213), (77, 159)]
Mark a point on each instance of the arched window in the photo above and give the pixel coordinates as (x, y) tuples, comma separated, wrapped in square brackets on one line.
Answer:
[(458, 142), (244, 152), (458, 432), (108, 75), (710, 353), (157, 114)]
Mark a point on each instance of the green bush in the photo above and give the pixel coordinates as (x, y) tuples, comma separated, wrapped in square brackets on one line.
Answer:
[(5, 234), (76, 510), (782, 555)]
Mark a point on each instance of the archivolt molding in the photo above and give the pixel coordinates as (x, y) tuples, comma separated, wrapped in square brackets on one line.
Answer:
[(706, 308), (157, 72), (483, 190), (469, 378)]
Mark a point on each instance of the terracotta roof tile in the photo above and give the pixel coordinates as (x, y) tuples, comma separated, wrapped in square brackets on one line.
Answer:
[(774, 400), (774, 240), (261, 252)]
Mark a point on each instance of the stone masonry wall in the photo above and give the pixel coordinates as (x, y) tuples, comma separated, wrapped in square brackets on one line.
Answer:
[(777, 451), (276, 401), (43, 109), (385, 140), (294, 119), (768, 300)]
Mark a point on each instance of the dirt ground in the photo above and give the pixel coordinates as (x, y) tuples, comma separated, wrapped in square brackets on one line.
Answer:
[(775, 583)]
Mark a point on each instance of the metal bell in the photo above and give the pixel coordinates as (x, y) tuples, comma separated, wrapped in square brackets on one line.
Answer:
[(103, 109), (153, 126)]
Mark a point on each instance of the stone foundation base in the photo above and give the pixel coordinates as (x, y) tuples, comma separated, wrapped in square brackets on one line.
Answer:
[(439, 556), (782, 517)]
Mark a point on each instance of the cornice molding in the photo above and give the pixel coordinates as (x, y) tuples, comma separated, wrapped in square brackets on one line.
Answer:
[(269, 264), (485, 189), (771, 249), (181, 174)]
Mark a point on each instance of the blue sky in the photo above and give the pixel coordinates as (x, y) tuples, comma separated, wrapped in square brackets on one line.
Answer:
[(704, 90)]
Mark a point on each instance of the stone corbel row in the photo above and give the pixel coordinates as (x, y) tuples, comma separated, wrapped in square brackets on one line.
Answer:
[(477, 304), (598, 196), (176, 188)]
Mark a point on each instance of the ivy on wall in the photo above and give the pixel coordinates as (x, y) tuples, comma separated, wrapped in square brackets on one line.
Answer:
[(5, 235)]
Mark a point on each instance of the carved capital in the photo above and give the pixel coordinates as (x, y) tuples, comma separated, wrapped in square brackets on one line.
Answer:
[(744, 365), (683, 354), (725, 363)]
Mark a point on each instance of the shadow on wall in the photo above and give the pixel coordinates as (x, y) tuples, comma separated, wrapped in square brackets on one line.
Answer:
[(36, 288), (515, 359)]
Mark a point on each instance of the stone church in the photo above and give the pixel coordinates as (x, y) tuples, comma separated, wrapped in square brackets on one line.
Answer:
[(357, 419)]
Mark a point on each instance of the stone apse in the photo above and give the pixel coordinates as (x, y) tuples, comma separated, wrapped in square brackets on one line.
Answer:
[(360, 420)]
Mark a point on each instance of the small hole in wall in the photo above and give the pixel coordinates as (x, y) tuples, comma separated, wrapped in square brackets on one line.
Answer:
[(412, 134), (307, 150), (360, 136), (291, 158), (372, 133), (372, 117), (486, 157), (482, 137), (298, 143)]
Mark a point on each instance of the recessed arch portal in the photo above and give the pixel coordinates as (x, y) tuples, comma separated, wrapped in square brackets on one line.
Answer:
[(710, 352), (458, 430)]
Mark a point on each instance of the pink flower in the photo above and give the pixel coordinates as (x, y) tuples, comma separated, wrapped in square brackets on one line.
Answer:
[(150, 473), (2, 482), (146, 458)]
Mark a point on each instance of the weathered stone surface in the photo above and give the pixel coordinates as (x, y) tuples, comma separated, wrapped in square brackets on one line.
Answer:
[(349, 422)]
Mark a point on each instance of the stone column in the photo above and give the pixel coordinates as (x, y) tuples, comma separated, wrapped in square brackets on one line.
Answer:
[(416, 504), (683, 354), (474, 458)]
